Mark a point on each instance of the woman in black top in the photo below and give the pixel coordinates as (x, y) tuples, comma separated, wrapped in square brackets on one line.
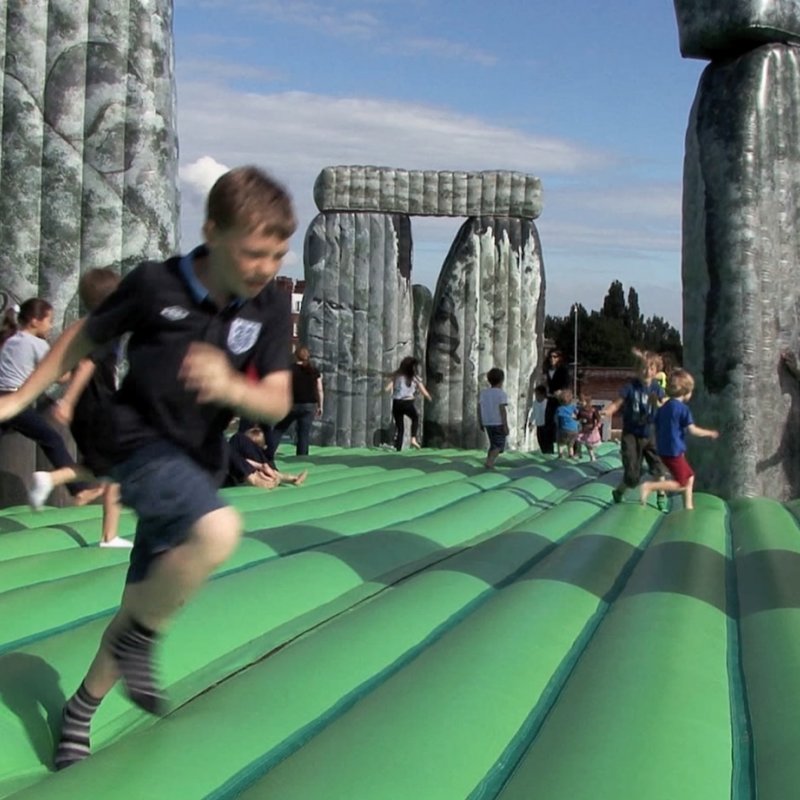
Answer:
[(556, 378), (307, 399)]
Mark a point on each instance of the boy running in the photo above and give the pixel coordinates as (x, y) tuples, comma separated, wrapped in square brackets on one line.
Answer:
[(492, 414), (197, 322), (673, 420), (638, 399)]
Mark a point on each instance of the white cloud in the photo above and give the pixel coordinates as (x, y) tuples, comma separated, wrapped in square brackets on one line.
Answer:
[(217, 70), (589, 235), (356, 23), (294, 135), (200, 175), (331, 19), (444, 48)]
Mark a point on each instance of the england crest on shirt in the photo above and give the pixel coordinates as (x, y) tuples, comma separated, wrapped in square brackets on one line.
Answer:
[(242, 335)]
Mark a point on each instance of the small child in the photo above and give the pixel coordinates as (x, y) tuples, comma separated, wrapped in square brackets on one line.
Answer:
[(21, 354), (638, 399), (85, 407), (492, 414), (249, 464), (567, 424), (589, 421), (537, 416), (673, 419)]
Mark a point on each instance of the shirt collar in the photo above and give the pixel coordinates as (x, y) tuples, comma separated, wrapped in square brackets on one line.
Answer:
[(196, 288)]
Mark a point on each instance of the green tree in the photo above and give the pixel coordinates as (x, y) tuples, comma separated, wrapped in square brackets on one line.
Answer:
[(605, 337), (614, 302), (634, 321)]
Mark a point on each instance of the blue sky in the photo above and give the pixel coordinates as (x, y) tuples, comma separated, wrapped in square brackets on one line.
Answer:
[(592, 97)]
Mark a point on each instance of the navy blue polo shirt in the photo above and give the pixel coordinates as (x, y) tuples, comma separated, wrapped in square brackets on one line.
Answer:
[(165, 308), (638, 410)]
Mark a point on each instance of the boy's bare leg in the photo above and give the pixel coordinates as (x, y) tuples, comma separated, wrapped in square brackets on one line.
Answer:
[(112, 510), (176, 575), (146, 609), (491, 458), (689, 494), (657, 486)]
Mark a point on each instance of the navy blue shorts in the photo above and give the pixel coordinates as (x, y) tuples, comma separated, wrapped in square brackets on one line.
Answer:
[(497, 438), (169, 492)]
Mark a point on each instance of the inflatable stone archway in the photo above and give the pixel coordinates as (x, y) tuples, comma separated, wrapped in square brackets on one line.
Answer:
[(361, 315)]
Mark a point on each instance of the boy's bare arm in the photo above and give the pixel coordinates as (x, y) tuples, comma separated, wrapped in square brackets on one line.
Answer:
[(73, 345), (480, 417), (504, 418), (320, 397), (207, 371), (696, 430), (64, 408), (612, 408)]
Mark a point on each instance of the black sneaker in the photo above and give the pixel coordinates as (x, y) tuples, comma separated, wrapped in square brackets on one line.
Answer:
[(617, 495)]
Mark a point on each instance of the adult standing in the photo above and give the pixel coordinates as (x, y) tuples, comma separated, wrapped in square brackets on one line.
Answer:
[(404, 385), (307, 404), (556, 379)]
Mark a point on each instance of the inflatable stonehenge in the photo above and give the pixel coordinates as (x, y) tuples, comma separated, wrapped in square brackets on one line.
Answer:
[(361, 315), (741, 241), (88, 177), (89, 155)]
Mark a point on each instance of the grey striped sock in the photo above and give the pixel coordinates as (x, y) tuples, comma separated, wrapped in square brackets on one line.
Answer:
[(73, 746), (133, 652)]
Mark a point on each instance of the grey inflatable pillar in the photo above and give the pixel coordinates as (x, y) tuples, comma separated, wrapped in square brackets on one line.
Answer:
[(422, 308), (356, 318), (88, 165), (741, 251), (488, 311)]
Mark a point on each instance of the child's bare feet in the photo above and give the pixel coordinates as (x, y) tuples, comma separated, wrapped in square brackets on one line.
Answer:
[(415, 443), (261, 481), (300, 479), (644, 493)]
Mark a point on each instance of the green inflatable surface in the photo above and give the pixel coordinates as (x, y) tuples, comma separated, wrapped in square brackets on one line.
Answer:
[(409, 625)]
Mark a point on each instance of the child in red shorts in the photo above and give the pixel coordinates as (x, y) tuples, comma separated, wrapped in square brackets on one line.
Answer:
[(673, 419)]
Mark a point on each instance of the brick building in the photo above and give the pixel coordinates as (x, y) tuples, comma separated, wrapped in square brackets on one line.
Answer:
[(602, 384)]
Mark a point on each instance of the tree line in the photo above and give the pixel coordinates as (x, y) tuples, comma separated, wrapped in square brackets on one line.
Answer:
[(605, 337)]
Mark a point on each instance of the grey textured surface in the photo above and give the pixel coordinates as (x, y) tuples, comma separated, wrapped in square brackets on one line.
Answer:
[(720, 28), (88, 165), (428, 193), (356, 318), (422, 307), (741, 263), (488, 311)]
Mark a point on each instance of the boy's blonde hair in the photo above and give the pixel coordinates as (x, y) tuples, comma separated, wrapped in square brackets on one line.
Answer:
[(564, 396), (681, 383), (248, 198), (648, 360)]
